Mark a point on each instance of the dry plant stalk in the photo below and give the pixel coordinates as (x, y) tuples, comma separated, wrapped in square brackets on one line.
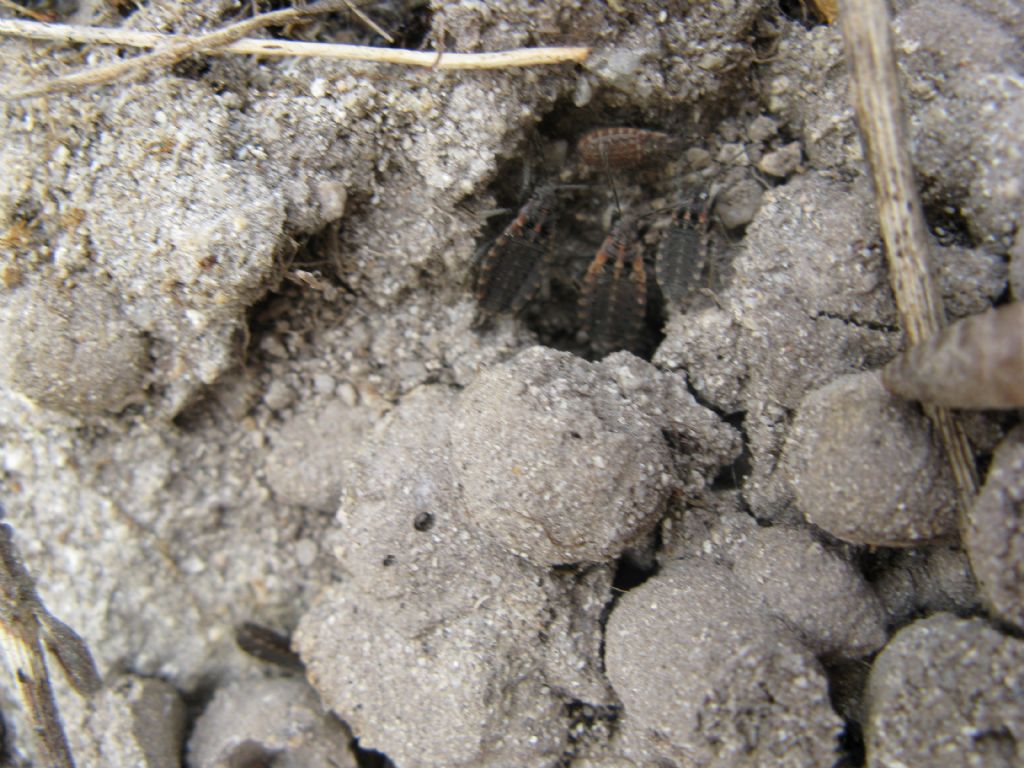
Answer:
[(25, 627), (175, 50), (875, 92), (232, 40)]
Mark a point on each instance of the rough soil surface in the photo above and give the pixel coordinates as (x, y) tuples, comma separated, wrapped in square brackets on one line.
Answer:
[(245, 379)]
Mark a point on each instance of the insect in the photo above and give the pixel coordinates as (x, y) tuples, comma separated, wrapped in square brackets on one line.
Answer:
[(977, 362), (512, 269), (624, 148), (613, 301), (267, 645), (683, 250)]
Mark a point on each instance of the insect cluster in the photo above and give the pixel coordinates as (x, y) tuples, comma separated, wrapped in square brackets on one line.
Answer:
[(633, 273)]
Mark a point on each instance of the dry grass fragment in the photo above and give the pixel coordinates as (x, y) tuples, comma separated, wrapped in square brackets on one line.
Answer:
[(26, 627), (232, 39), (875, 92)]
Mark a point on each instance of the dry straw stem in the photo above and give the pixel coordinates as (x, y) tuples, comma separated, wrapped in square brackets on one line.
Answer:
[(232, 40), (875, 92), (26, 626)]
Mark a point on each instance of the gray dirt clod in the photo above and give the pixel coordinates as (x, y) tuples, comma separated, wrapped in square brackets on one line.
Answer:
[(813, 590), (433, 618), (563, 461), (947, 691), (716, 681), (398, 533), (967, 100), (468, 692), (72, 348), (304, 465), (134, 721), (262, 722), (808, 301), (995, 531), (865, 468)]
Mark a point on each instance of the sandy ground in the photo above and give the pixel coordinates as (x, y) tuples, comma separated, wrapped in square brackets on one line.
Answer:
[(246, 378)]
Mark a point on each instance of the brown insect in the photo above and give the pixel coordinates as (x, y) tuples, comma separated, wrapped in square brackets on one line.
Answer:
[(977, 362), (614, 297), (624, 148), (512, 269), (267, 645), (683, 251)]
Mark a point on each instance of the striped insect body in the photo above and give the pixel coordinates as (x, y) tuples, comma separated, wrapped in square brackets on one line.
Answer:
[(613, 302), (514, 266), (625, 148), (683, 251)]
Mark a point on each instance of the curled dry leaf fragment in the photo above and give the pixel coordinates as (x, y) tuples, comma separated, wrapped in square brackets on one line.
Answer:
[(977, 362)]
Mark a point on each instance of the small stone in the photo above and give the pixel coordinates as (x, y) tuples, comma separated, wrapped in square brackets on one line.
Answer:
[(305, 552), (698, 158), (762, 128), (782, 162), (584, 91), (333, 197), (278, 395), (323, 383), (733, 154), (738, 204), (348, 394)]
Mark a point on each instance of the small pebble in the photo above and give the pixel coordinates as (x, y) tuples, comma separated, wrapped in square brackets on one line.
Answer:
[(333, 197), (733, 154), (737, 205), (348, 394), (762, 128), (782, 162), (698, 158), (305, 552), (323, 383), (278, 395)]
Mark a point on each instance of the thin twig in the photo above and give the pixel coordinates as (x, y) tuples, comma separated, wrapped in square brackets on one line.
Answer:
[(875, 92), (173, 52), (231, 40), (20, 9), (25, 627), (369, 22)]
